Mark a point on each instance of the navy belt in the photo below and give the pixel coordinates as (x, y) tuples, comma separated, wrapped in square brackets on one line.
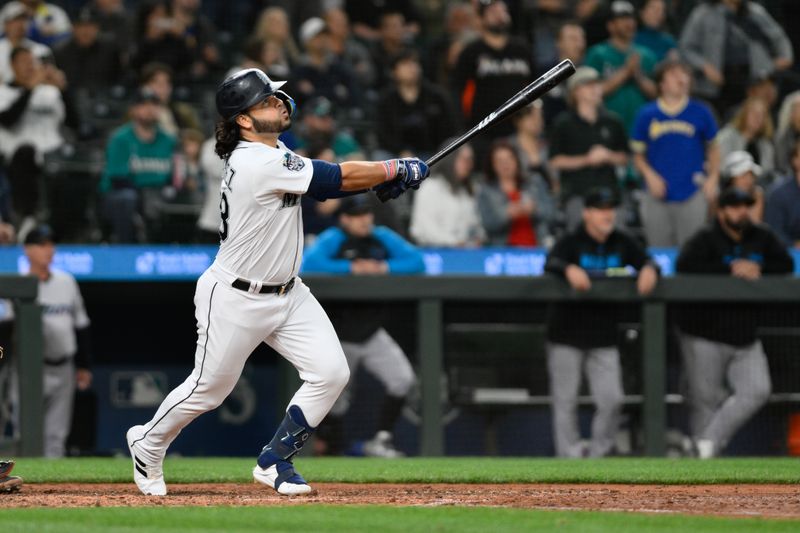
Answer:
[(244, 285)]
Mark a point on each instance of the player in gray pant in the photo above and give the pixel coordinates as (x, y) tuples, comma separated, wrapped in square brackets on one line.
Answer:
[(582, 335), (727, 385), (724, 362), (65, 332), (565, 365)]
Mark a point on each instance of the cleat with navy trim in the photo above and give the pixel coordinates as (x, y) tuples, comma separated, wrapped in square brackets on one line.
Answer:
[(148, 477), (282, 477)]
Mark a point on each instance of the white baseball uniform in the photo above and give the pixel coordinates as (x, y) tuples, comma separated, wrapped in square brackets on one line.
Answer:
[(261, 246)]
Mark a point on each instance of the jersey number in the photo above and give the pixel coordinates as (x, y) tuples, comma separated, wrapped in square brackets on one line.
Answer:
[(223, 213)]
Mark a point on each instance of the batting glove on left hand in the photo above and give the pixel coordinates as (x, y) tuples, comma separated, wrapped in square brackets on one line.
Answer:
[(410, 173)]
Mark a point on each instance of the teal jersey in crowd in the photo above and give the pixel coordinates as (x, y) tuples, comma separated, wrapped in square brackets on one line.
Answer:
[(145, 164), (627, 99)]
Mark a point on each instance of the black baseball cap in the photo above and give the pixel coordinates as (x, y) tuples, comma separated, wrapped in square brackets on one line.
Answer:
[(40, 235), (355, 205), (735, 196), (600, 198)]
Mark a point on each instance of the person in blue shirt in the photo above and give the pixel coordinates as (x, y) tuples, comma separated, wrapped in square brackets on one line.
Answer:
[(674, 150), (359, 247)]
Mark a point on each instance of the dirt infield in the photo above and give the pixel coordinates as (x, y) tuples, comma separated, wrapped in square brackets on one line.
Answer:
[(772, 501)]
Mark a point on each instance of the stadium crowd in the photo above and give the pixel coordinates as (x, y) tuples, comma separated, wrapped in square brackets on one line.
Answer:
[(107, 115)]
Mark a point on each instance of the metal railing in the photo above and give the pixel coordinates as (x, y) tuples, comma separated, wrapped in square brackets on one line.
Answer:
[(28, 354), (431, 293)]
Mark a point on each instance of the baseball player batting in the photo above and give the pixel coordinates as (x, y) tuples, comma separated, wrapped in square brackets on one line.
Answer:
[(251, 293)]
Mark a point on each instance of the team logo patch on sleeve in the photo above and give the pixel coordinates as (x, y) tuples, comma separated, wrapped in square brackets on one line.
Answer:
[(293, 162)]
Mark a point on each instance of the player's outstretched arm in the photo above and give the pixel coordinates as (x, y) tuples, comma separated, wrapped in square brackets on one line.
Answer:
[(360, 175)]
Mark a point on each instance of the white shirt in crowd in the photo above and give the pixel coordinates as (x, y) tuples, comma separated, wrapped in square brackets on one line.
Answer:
[(440, 217), (39, 124)]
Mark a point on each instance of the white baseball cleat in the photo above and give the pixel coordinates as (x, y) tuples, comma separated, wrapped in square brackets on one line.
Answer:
[(149, 478), (283, 478), (381, 446)]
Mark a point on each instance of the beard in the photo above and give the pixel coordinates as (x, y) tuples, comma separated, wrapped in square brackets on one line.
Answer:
[(738, 225), (271, 126), (500, 28)]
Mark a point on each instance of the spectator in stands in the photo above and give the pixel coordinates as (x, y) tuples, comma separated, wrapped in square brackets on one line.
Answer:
[(543, 24), (262, 54), (187, 179), (173, 115), (32, 111), (445, 211), (764, 86), (741, 171), (529, 142), (160, 37), (582, 336), (570, 44), (489, 71), (66, 339), (347, 48), (200, 35), (674, 149), (508, 204), (319, 129), (15, 18), (89, 61), (365, 16), (587, 144), (211, 169), (358, 247), (50, 24), (460, 29), (273, 26), (783, 204), (728, 41), (751, 130), (319, 73), (624, 66), (138, 168), (788, 132), (651, 33), (724, 362), (115, 22), (420, 113), (391, 44)]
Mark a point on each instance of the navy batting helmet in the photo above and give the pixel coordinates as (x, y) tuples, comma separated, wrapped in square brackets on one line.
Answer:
[(245, 89)]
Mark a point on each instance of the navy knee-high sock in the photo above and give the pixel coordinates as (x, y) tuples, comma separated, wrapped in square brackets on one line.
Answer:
[(293, 432)]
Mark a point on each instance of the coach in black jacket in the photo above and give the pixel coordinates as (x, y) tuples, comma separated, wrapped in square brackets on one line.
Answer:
[(583, 335), (725, 364)]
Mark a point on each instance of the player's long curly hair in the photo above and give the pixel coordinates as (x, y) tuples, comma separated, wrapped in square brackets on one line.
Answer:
[(227, 135)]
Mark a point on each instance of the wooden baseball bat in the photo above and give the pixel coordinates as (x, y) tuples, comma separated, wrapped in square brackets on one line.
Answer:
[(535, 90)]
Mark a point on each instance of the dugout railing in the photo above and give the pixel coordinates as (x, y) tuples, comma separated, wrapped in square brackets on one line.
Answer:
[(428, 299), (431, 294)]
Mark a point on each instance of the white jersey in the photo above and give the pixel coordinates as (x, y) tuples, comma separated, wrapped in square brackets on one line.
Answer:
[(40, 121), (62, 313), (262, 227)]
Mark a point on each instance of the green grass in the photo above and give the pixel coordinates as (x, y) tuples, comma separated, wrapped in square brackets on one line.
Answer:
[(325, 519), (433, 470)]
